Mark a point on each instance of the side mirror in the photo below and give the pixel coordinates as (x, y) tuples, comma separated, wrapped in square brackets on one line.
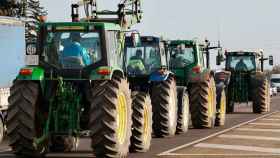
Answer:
[(270, 60), (136, 39)]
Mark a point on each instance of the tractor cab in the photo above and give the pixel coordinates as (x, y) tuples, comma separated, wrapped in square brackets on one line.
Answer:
[(187, 60), (145, 60), (241, 61), (80, 50)]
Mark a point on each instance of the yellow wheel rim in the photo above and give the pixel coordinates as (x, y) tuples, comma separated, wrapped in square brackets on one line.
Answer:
[(146, 124), (121, 118), (210, 99), (223, 105)]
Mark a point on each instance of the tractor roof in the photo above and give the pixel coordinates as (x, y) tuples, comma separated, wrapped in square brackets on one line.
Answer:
[(82, 25), (144, 40), (242, 53), (175, 43)]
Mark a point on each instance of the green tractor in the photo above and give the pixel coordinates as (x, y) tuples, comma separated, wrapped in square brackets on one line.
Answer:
[(248, 82), (189, 60), (74, 86), (148, 75)]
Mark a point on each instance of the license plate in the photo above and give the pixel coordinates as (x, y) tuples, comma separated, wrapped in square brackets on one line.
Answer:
[(32, 59)]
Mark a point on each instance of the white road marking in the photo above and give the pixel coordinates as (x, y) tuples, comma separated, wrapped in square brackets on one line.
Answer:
[(258, 130), (271, 119), (239, 147), (169, 152), (5, 150), (275, 116), (266, 124), (228, 136), (225, 155)]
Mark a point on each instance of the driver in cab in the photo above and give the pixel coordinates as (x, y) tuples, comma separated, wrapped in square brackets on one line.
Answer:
[(241, 66), (74, 54)]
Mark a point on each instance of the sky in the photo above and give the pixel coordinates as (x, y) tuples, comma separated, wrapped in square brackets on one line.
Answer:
[(238, 24)]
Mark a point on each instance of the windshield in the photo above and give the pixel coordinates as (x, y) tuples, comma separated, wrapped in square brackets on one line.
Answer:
[(72, 50), (275, 80), (241, 63), (142, 60), (182, 57)]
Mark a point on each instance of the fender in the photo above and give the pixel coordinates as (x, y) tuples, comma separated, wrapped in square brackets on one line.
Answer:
[(157, 77), (105, 73), (31, 73)]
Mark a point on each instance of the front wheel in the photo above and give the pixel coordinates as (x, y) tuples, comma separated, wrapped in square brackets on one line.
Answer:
[(164, 102), (203, 104), (142, 122), (2, 130), (221, 109), (110, 118), (183, 111)]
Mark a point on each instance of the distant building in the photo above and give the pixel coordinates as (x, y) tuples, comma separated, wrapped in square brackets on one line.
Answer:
[(4, 95)]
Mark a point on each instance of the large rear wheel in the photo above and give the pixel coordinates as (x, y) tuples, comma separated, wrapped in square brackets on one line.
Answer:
[(203, 104), (164, 104), (261, 101), (110, 118), (22, 125), (142, 122)]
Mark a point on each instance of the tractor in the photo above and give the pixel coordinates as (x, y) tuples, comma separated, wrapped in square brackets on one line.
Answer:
[(148, 75), (248, 82), (73, 85), (189, 60)]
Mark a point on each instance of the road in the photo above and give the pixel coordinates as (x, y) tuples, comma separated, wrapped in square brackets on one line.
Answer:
[(244, 135)]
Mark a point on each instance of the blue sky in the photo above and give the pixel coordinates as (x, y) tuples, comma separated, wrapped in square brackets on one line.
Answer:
[(239, 24)]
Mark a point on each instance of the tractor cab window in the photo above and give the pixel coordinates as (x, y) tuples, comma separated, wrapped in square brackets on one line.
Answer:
[(241, 63), (182, 57), (72, 50), (142, 60)]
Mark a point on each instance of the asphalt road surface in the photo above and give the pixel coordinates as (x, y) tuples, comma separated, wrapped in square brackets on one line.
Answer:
[(245, 135)]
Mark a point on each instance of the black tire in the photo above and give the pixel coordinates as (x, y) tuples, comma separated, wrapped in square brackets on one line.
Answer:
[(164, 105), (105, 103), (221, 109), (261, 101), (21, 121), (141, 122), (200, 104), (2, 130), (183, 110)]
